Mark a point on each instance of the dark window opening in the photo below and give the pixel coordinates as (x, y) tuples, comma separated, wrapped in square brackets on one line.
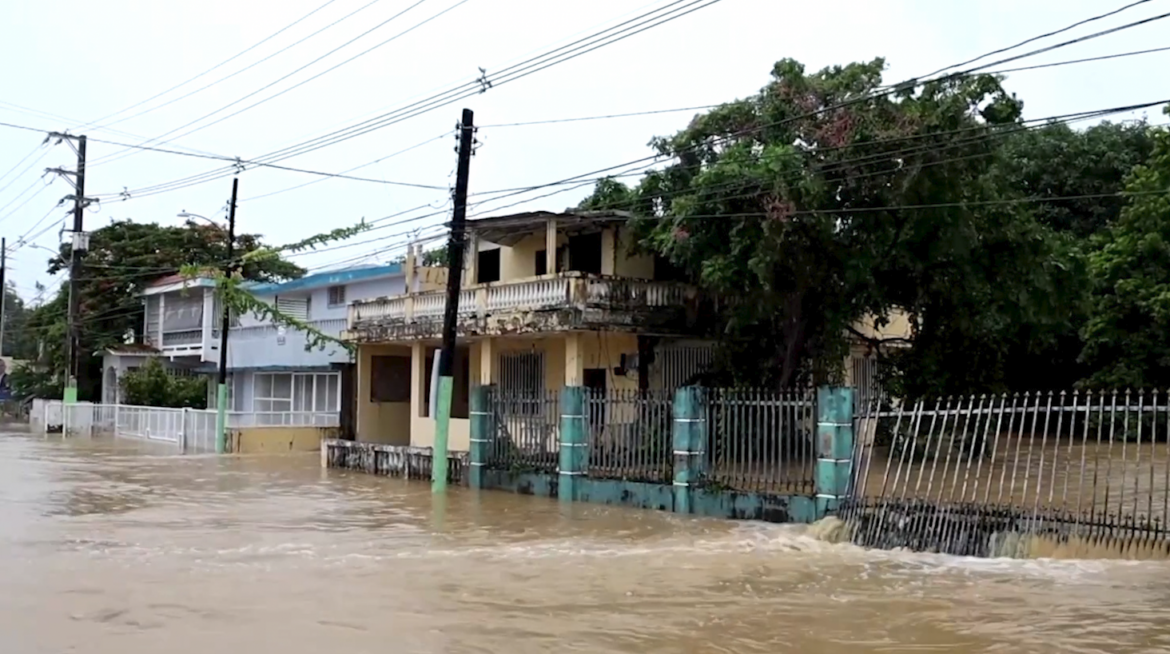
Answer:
[(595, 382), (541, 266), (585, 253), (389, 379), (665, 271), (488, 266)]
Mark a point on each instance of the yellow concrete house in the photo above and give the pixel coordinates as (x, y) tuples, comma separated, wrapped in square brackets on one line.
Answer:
[(548, 300)]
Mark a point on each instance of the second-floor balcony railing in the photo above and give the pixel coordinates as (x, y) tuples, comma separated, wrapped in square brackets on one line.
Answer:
[(566, 290)]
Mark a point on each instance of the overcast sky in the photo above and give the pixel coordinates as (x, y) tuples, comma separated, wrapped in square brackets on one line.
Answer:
[(72, 62)]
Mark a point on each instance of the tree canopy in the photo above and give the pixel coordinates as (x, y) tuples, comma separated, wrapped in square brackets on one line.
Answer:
[(124, 257), (831, 196)]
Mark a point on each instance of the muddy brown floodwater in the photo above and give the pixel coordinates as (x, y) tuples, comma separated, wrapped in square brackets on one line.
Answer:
[(116, 548)]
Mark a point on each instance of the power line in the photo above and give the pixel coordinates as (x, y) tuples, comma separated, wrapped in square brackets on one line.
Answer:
[(220, 65), (578, 48), (301, 83), (1040, 37)]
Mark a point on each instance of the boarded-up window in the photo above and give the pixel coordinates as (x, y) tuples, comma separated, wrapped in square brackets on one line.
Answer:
[(389, 379)]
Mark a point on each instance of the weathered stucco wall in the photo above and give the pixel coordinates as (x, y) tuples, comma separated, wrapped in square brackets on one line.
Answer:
[(278, 440)]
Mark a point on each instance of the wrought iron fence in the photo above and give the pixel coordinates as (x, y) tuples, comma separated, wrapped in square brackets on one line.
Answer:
[(1006, 475), (761, 440), (629, 435), (528, 430)]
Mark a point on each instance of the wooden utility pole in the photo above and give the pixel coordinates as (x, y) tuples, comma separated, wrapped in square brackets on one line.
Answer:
[(225, 324), (451, 313)]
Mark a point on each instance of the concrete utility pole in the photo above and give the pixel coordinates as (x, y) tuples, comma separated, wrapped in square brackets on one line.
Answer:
[(225, 323), (466, 129), (78, 247)]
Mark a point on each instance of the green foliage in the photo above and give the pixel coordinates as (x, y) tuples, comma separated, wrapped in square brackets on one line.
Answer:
[(435, 257), (19, 342), (822, 200), (240, 301), (1127, 336), (29, 380), (152, 385)]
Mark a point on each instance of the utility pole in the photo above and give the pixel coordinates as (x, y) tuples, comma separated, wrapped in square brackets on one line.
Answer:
[(225, 323), (3, 289), (78, 247), (451, 313)]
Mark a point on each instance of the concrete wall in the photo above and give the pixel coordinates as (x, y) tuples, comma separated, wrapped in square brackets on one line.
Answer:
[(380, 422), (519, 261), (277, 440)]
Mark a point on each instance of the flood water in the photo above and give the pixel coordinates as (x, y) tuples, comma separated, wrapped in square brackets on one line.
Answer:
[(127, 549)]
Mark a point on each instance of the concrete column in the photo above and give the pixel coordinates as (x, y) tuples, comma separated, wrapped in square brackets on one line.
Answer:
[(689, 437), (834, 448), (419, 394), (471, 263), (574, 360), (487, 361), (573, 442), (550, 246), (410, 268), (483, 433)]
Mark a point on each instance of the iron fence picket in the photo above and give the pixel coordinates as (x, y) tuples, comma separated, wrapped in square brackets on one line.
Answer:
[(528, 424), (1071, 468), (761, 440), (628, 432)]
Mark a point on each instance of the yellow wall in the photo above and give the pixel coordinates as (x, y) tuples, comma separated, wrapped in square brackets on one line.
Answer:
[(277, 440), (898, 326), (518, 261), (380, 422)]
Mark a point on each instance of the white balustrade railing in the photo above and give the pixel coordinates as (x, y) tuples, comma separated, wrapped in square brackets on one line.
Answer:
[(543, 293), (191, 430)]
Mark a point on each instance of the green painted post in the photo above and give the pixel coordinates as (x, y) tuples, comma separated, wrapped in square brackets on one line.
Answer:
[(689, 436), (834, 447), (70, 392), (483, 433), (442, 433), (573, 442), (221, 419)]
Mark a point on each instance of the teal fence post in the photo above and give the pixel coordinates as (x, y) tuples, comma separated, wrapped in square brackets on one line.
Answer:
[(689, 436), (483, 434), (834, 447), (572, 442)]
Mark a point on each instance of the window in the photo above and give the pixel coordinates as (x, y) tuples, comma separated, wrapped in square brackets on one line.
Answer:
[(336, 296), (585, 253), (389, 379), (300, 392), (541, 262), (488, 266), (293, 307)]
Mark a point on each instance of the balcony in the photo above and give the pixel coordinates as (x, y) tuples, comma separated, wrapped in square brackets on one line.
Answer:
[(549, 303)]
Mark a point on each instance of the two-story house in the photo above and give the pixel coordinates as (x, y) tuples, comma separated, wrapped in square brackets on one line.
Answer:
[(548, 300), (270, 371)]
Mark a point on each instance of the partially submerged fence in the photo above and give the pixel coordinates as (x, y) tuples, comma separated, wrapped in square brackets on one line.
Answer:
[(190, 430), (756, 440), (1018, 476)]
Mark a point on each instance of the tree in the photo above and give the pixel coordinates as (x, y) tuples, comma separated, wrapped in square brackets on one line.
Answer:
[(152, 385), (1127, 335), (18, 342), (124, 257), (824, 198)]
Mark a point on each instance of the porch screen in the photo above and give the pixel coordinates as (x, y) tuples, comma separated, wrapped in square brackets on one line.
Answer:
[(183, 312)]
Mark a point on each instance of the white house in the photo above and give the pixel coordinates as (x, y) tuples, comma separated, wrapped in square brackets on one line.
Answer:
[(268, 366)]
